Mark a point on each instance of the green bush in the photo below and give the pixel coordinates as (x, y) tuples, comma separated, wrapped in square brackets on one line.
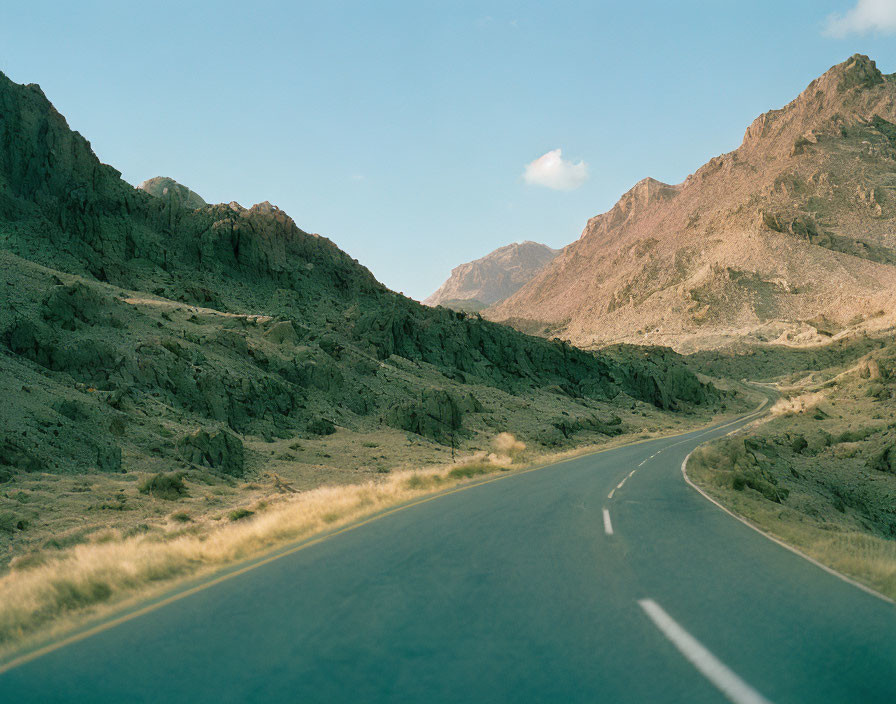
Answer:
[(421, 481), (854, 435), (321, 426), (884, 460), (474, 469), (799, 444), (239, 514), (11, 522), (164, 485)]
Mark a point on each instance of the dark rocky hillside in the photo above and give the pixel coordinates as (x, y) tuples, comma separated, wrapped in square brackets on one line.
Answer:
[(138, 331)]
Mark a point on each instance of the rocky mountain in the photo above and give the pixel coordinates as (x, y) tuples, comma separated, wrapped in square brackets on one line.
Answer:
[(164, 187), (492, 278), (138, 332), (789, 238)]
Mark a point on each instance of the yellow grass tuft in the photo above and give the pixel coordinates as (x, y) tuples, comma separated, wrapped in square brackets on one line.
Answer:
[(507, 444), (49, 594)]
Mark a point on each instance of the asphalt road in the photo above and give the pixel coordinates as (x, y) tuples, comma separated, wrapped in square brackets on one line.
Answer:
[(518, 590)]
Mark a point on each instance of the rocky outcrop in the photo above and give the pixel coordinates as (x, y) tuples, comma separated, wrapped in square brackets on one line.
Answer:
[(436, 414), (167, 188), (217, 449)]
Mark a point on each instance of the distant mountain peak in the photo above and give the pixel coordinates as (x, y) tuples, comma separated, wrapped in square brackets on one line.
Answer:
[(492, 278)]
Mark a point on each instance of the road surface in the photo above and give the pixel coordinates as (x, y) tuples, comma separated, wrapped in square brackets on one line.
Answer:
[(579, 582)]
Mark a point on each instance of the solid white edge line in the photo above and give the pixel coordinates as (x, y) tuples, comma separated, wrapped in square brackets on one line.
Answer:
[(795, 551), (708, 664), (608, 525)]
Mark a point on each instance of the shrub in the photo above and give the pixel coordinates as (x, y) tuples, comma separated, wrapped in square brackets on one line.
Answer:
[(884, 460), (164, 485), (474, 469), (239, 514), (854, 435), (181, 517), (507, 444), (11, 522), (799, 444), (423, 481), (321, 426)]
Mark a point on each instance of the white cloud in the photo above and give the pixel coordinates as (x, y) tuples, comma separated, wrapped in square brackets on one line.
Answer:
[(553, 171), (866, 17)]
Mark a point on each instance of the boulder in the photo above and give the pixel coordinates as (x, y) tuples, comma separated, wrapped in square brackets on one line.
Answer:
[(436, 414), (217, 449)]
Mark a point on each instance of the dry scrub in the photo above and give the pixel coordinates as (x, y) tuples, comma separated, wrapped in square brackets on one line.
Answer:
[(717, 469), (48, 594)]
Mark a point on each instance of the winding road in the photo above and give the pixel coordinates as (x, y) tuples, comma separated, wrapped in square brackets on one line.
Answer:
[(600, 579)]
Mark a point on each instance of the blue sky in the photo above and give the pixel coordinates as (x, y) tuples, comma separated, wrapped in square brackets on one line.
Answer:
[(402, 130)]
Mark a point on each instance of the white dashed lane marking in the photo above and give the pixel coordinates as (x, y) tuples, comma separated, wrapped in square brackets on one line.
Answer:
[(713, 669)]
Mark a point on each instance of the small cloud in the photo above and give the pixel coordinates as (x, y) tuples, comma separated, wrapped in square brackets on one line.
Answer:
[(553, 171), (868, 16), (357, 177)]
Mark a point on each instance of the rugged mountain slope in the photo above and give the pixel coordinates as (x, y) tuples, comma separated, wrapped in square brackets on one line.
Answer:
[(790, 237), (492, 278), (137, 332), (164, 187)]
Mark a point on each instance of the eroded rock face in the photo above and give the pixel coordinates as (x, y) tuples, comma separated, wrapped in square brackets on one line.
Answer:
[(436, 414), (217, 449)]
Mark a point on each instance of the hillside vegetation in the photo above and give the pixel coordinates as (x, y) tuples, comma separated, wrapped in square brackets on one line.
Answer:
[(156, 352), (820, 470)]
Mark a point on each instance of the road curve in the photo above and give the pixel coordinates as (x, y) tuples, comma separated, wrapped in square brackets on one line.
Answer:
[(600, 579)]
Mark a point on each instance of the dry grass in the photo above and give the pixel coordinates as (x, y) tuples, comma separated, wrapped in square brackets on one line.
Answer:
[(54, 592), (48, 593), (864, 557), (797, 404)]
